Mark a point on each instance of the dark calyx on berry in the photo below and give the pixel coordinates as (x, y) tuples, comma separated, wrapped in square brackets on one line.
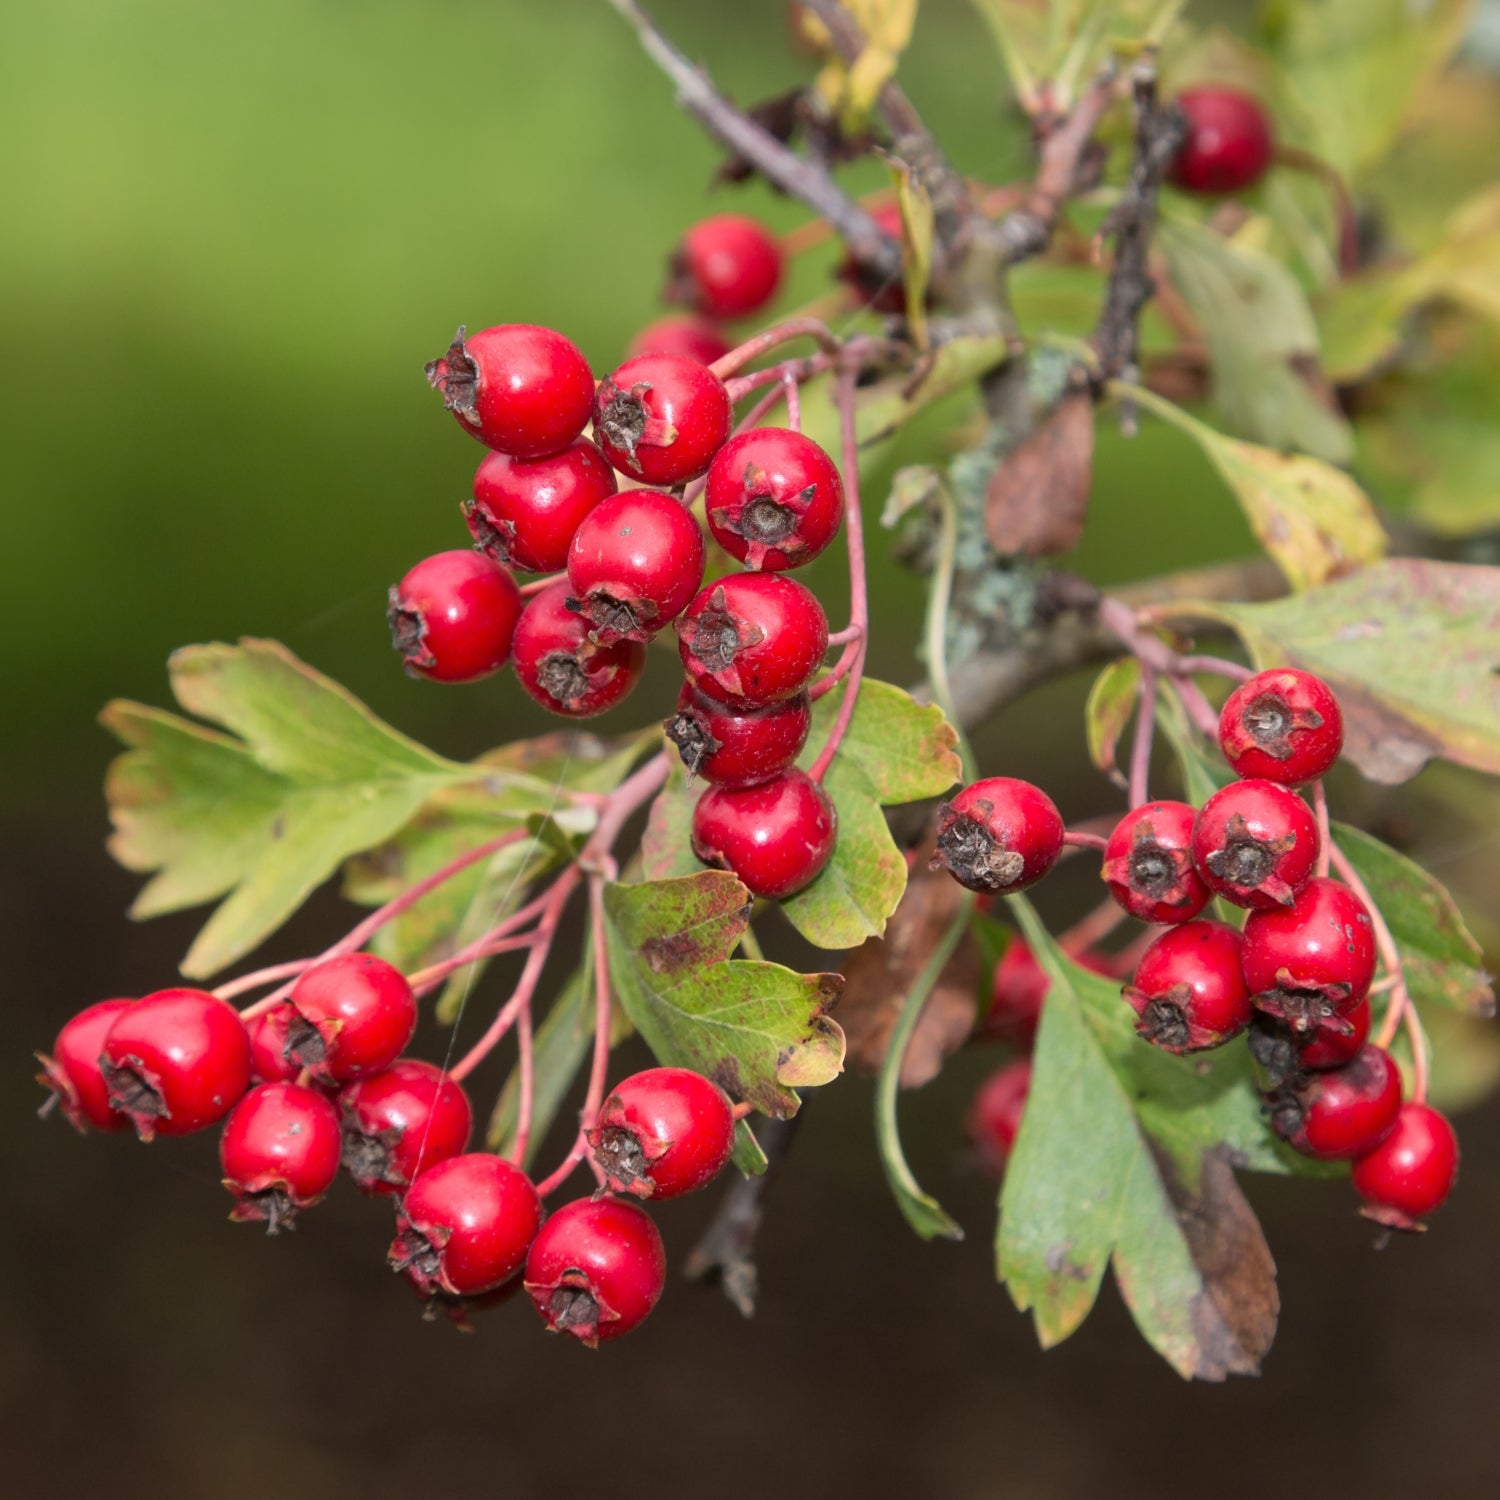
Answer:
[(966, 847), (1244, 859), (622, 420), (619, 1152), (689, 731), (456, 376), (1163, 1022), (714, 636)]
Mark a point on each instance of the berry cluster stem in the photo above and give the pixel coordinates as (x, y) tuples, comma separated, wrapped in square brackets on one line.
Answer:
[(1145, 730)]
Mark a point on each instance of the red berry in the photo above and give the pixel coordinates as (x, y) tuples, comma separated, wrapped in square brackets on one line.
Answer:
[(562, 668), (176, 1062), (1313, 961), (72, 1072), (998, 835), (1282, 1055), (518, 388), (1410, 1174), (726, 266), (452, 617), (1188, 990), (663, 1133), (596, 1270), (775, 836), (1148, 863), (753, 638), (525, 510), (635, 564), (1018, 990), (1255, 844), (401, 1121), (1328, 1045), (774, 499), (994, 1116), (729, 746), (1282, 725), (661, 418), (1341, 1113), (1228, 144), (465, 1225), (692, 337), (887, 295), (269, 1061), (352, 1016), (280, 1153)]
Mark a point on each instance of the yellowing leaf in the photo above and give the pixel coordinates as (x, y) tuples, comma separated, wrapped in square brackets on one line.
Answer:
[(916, 260)]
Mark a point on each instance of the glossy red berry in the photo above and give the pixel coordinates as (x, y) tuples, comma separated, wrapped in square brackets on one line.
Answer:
[(1282, 725), (1281, 1055), (692, 337), (401, 1121), (562, 668), (663, 1133), (525, 510), (729, 746), (1411, 1172), (352, 1016), (465, 1225), (774, 499), (1188, 992), (661, 418), (1018, 990), (752, 638), (634, 565), (1341, 1113), (1228, 144), (518, 388), (175, 1062), (994, 1117), (280, 1153), (72, 1071), (727, 266), (776, 836), (1328, 1045), (596, 1269), (1255, 843), (882, 295), (1148, 863), (452, 617), (1312, 962), (269, 1061), (998, 835)]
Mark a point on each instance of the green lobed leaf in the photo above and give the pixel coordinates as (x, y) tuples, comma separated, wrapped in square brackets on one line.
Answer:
[(1111, 702), (666, 843), (757, 1029)]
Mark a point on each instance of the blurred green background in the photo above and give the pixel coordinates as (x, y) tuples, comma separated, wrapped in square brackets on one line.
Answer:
[(232, 236)]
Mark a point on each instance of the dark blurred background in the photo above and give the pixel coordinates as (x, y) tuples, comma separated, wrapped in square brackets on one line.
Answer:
[(232, 236)]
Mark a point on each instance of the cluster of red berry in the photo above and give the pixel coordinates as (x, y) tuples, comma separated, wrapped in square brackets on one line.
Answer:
[(1297, 977), (318, 1081)]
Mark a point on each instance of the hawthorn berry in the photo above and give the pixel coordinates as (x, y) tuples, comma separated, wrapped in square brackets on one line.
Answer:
[(175, 1062), (1188, 991), (994, 1116), (269, 1060), (464, 1225), (1283, 726), (752, 638), (1228, 143), (280, 1153), (1411, 1172), (661, 418), (692, 337), (525, 510), (1148, 863), (351, 1016), (1281, 1054), (560, 667), (634, 564), (1255, 843), (1341, 1113), (730, 746), (663, 1133), (998, 835), (72, 1071), (453, 616), (726, 266), (774, 499), (596, 1269), (1312, 962), (1328, 1045), (1018, 990), (518, 388), (776, 836), (399, 1122)]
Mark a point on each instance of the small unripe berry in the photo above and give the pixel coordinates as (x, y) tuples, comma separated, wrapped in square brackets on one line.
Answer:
[(1255, 843), (352, 1016), (1283, 726), (1148, 863), (453, 615), (663, 1133), (727, 266), (1411, 1172), (1228, 144), (1341, 1113), (518, 388), (1188, 991), (560, 667), (994, 1117), (692, 337), (661, 418), (596, 1270), (774, 499), (998, 835), (752, 638), (775, 836), (280, 1153), (399, 1122), (729, 746), (72, 1071)]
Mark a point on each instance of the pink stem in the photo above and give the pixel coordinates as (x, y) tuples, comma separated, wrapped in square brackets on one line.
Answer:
[(1080, 840), (1325, 835), (425, 981), (526, 1067), (781, 333), (1202, 714), (1220, 666), (267, 975), (538, 584), (1145, 728), (793, 401), (844, 636)]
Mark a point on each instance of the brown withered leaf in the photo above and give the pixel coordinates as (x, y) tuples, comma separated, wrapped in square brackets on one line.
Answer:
[(1037, 499)]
